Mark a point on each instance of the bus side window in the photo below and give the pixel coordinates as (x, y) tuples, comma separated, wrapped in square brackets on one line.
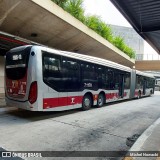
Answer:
[(101, 76), (110, 79), (117, 79), (138, 82), (150, 83), (71, 74), (89, 76), (127, 81), (52, 71), (51, 64)]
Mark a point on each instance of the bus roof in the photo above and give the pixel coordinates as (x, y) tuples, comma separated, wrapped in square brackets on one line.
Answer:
[(19, 48), (86, 58), (144, 74), (78, 56)]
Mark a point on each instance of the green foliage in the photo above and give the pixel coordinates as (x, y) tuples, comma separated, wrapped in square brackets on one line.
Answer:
[(119, 43), (61, 3), (130, 52), (96, 24), (75, 8)]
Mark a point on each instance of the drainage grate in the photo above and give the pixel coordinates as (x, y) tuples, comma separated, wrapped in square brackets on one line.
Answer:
[(131, 140)]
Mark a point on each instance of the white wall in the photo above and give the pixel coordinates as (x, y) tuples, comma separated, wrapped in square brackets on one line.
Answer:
[(1, 74)]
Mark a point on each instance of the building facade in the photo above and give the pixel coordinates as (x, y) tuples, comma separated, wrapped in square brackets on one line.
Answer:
[(131, 37)]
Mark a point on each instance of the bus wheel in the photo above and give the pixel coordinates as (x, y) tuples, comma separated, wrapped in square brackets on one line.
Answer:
[(87, 102), (100, 100)]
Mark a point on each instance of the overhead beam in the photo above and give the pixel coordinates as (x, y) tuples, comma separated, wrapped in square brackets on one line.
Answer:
[(151, 29), (153, 65), (48, 24), (136, 12)]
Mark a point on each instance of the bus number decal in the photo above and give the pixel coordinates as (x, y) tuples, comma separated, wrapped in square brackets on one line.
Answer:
[(87, 84), (17, 57)]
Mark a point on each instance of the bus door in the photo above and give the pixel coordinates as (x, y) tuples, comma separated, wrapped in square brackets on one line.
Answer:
[(101, 77), (144, 86), (121, 85)]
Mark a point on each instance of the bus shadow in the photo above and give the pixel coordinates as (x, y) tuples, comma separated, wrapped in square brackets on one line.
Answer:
[(37, 116)]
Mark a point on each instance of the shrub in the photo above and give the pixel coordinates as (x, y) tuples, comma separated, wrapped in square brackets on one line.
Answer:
[(119, 43), (75, 8), (96, 24), (61, 3), (130, 52)]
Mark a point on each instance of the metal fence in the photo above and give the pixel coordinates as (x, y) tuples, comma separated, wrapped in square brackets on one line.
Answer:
[(141, 57)]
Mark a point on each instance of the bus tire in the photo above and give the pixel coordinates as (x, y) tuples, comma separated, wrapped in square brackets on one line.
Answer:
[(87, 102), (100, 100)]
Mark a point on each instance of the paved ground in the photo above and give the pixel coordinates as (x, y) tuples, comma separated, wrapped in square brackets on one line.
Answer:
[(2, 102), (99, 129)]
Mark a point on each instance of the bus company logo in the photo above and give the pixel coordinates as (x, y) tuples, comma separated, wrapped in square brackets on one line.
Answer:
[(72, 100), (6, 154)]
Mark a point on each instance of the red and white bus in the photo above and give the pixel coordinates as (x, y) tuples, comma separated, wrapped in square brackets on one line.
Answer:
[(42, 79)]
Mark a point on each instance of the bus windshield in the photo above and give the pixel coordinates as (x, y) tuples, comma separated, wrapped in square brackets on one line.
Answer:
[(17, 63)]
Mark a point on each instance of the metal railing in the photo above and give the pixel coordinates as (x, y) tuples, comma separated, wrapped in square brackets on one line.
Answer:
[(141, 57)]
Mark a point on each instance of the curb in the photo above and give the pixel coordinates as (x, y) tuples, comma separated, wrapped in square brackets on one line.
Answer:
[(137, 146), (145, 135), (2, 102), (2, 95), (6, 109)]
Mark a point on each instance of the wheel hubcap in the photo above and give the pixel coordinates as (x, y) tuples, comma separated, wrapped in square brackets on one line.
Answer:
[(100, 100), (87, 102)]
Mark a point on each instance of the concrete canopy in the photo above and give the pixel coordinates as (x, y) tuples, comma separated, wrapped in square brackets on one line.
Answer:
[(46, 23), (143, 15)]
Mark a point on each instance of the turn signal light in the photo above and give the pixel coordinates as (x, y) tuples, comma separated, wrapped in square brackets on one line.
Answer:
[(33, 92)]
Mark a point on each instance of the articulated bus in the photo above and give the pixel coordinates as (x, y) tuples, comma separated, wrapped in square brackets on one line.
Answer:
[(42, 79)]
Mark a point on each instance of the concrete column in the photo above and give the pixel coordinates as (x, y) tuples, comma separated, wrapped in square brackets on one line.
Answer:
[(2, 75)]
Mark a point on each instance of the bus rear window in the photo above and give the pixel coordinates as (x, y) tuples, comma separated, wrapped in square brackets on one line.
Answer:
[(17, 63)]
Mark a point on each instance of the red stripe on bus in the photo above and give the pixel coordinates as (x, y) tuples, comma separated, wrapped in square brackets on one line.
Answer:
[(13, 40), (61, 102), (66, 101), (136, 93), (111, 95)]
